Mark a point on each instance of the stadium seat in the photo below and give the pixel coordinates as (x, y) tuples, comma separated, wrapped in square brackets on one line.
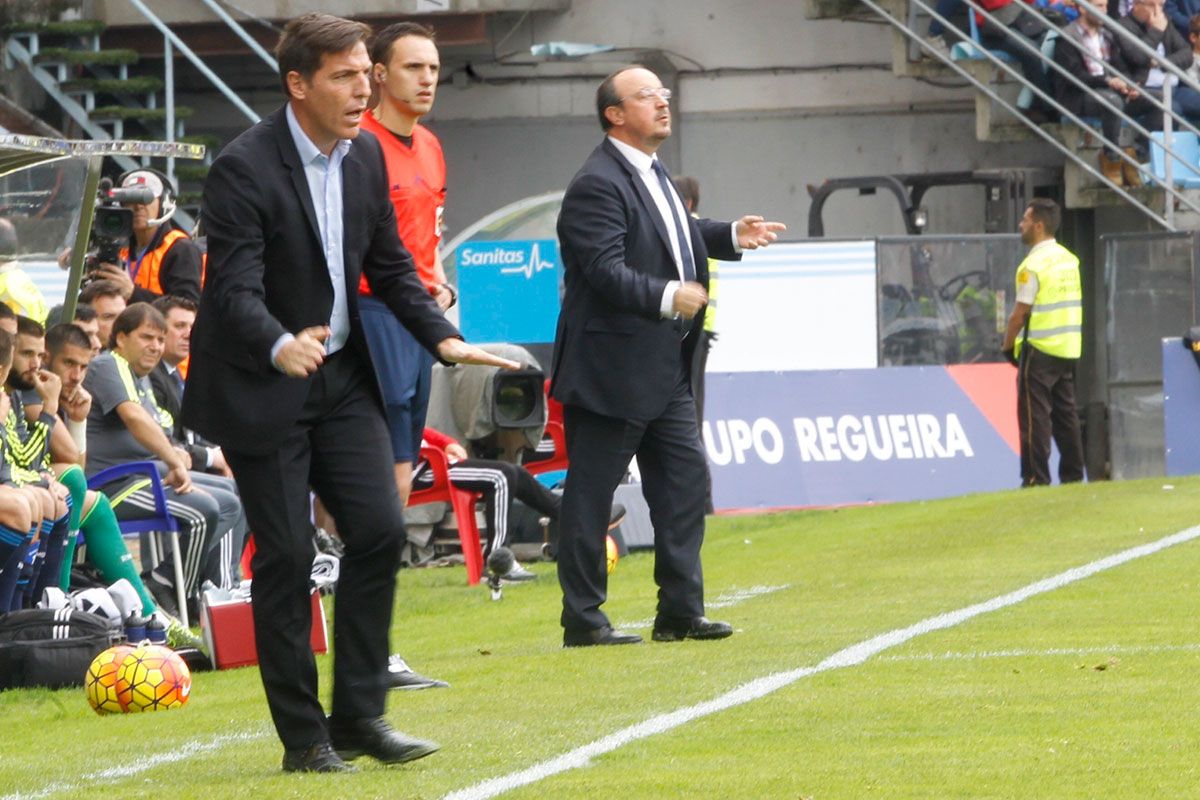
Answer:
[(161, 523), (1185, 173), (556, 433), (462, 501)]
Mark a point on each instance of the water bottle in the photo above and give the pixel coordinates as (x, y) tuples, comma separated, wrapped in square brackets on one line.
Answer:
[(156, 632), (135, 628)]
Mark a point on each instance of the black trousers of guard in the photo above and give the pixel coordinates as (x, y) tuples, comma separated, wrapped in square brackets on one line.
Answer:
[(1045, 410), (673, 469), (339, 446)]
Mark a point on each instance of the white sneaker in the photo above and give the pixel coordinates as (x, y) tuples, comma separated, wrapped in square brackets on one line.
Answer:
[(517, 574), (938, 43)]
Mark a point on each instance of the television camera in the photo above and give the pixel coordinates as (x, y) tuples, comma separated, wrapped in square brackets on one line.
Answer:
[(112, 225)]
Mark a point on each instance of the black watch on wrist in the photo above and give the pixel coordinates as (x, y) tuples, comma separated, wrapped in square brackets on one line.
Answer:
[(453, 294)]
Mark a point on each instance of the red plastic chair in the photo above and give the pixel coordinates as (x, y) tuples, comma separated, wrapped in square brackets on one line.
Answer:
[(557, 434), (462, 501)]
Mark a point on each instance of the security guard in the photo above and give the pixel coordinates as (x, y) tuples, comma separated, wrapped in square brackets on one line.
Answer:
[(1048, 317), (160, 259)]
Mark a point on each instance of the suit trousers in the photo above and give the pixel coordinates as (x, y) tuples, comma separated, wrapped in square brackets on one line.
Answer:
[(1045, 409), (673, 469), (339, 447)]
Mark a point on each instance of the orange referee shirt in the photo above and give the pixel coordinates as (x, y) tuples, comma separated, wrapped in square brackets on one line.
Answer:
[(417, 188)]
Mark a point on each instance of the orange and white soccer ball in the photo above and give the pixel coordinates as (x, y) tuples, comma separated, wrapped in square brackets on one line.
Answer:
[(100, 683), (611, 553), (153, 678)]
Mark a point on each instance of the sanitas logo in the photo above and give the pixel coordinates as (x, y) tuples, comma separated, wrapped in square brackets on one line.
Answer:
[(522, 259), (881, 437)]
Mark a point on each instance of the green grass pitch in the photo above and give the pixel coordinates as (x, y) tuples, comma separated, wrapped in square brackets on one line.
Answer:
[(1084, 691)]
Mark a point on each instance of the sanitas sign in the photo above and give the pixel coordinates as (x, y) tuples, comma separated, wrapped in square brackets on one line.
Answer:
[(854, 436), (509, 290)]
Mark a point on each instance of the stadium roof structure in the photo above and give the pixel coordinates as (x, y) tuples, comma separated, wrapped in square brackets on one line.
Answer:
[(18, 151)]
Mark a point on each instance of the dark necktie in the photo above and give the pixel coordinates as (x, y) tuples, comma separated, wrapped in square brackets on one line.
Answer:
[(685, 252), (178, 382)]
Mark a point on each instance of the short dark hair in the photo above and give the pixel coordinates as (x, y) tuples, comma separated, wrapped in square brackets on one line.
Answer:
[(380, 47), (30, 327), (606, 94), (308, 38), (66, 334), (1047, 212), (99, 289), (169, 302), (1194, 26), (134, 317), (689, 189), (7, 342), (6, 311), (84, 313)]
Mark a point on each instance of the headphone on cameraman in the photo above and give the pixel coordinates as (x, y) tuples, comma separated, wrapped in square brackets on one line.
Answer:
[(167, 198)]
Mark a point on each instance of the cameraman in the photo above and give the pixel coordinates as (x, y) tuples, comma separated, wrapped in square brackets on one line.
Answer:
[(160, 258)]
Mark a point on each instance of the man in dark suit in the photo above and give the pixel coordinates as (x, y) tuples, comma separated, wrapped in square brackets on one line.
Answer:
[(167, 380), (635, 273), (297, 210)]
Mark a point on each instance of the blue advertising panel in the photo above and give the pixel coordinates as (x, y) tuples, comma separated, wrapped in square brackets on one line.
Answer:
[(509, 290), (838, 437)]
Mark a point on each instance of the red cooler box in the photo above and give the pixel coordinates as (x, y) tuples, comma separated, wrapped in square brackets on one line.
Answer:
[(229, 632)]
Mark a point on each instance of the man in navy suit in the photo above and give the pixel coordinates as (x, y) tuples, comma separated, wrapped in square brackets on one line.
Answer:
[(297, 210), (636, 288)]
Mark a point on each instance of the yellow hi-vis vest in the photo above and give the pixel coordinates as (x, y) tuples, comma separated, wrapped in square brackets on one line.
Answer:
[(1056, 319)]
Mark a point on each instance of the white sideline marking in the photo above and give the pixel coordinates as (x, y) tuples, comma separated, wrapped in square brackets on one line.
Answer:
[(143, 763), (724, 600), (951, 655), (848, 657)]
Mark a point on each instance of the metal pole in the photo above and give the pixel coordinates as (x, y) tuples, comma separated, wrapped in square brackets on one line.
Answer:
[(84, 233), (169, 80), (1169, 160), (197, 62), (242, 34)]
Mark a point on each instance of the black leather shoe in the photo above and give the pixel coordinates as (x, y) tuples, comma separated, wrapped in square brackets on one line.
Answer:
[(605, 635), (317, 758), (698, 628), (374, 737)]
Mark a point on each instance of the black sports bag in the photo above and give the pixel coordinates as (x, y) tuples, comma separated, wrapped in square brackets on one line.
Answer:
[(52, 648)]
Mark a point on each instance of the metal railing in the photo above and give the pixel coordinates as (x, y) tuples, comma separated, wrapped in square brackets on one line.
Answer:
[(1166, 220)]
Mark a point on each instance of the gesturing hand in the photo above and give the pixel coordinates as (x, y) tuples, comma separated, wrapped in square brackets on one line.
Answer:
[(754, 232), (689, 298), (456, 351), (302, 356)]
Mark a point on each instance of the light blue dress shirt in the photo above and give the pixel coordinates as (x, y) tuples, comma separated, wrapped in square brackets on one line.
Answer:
[(324, 176)]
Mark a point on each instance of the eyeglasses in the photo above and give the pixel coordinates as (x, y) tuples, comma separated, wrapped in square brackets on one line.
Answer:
[(646, 93)]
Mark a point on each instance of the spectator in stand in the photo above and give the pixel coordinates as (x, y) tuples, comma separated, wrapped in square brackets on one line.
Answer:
[(1148, 23), (107, 300), (1187, 99), (1180, 13), (1016, 23), (1084, 51), (160, 258)]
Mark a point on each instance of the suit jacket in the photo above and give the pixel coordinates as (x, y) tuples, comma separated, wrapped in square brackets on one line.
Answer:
[(614, 354), (267, 276), (1133, 62), (1069, 57), (167, 395)]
